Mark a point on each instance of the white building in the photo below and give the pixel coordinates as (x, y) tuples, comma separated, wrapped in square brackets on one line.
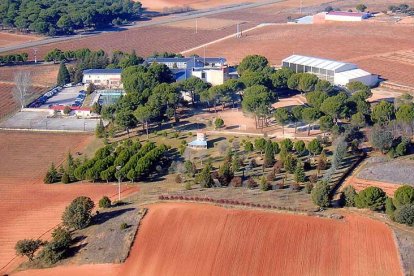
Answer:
[(346, 16), (103, 78), (336, 72), (200, 142), (215, 76)]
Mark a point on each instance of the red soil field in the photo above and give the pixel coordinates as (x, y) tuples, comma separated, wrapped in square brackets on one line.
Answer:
[(29, 208), (7, 102), (8, 39), (41, 74), (362, 43), (196, 239), (360, 184)]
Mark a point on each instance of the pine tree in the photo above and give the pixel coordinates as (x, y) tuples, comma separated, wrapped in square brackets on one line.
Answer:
[(299, 173), (269, 158), (100, 129), (63, 75)]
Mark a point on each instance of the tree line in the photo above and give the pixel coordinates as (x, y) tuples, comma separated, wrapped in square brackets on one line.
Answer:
[(13, 59), (128, 160), (62, 17)]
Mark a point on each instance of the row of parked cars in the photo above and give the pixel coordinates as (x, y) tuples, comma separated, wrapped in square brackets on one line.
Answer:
[(80, 98), (42, 99)]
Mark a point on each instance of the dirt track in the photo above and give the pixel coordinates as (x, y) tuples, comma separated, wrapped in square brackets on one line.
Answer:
[(190, 239)]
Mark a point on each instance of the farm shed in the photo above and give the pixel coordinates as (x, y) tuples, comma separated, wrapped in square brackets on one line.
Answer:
[(346, 16), (336, 72)]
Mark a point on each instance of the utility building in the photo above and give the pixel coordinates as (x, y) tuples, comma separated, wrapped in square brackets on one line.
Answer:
[(336, 72), (103, 78)]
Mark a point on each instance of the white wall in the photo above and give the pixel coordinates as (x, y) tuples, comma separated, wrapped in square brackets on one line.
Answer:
[(370, 80), (331, 17)]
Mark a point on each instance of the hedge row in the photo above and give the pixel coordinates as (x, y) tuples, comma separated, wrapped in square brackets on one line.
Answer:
[(229, 202)]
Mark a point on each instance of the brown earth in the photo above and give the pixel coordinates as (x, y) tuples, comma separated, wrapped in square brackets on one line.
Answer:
[(384, 49), (29, 208), (9, 39), (195, 239)]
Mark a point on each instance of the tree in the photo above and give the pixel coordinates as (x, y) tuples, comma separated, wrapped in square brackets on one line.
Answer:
[(218, 123), (316, 98), (310, 115), (322, 162), (315, 147), (104, 202), (307, 82), (204, 177), (248, 146), (27, 248), (299, 175), (405, 214), (372, 198), (90, 89), (286, 144), (403, 195), (349, 195), (269, 157), (334, 106), (225, 174), (63, 75), (293, 81), (358, 120), (361, 7), (61, 238), (52, 175), (382, 113), (282, 117), (264, 185), (299, 147), (324, 86), (389, 208), (22, 82), (253, 63), (381, 138), (194, 86), (320, 194), (290, 163), (100, 129), (78, 214), (280, 77), (296, 115), (125, 119), (257, 100), (326, 123), (405, 115)]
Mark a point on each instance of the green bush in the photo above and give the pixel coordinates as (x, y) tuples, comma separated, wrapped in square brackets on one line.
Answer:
[(65, 178), (78, 214), (372, 198), (389, 208), (123, 226), (218, 123), (349, 195), (50, 254), (104, 202), (320, 194), (264, 185), (61, 238), (27, 247), (405, 214), (403, 195), (188, 185)]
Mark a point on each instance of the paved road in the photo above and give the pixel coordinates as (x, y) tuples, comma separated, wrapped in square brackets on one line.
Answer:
[(141, 24)]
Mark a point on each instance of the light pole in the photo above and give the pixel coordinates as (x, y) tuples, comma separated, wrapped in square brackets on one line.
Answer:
[(118, 168)]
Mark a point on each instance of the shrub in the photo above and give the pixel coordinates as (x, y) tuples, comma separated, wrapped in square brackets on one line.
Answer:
[(320, 194), (313, 178), (372, 198), (51, 175), (401, 148), (50, 254), (308, 188), (277, 167), (104, 202), (286, 144), (299, 147), (123, 226), (236, 181), (349, 195), (248, 146), (27, 247), (270, 176), (264, 185), (251, 183), (405, 214), (178, 179), (404, 195), (61, 238), (188, 185), (78, 214), (389, 208)]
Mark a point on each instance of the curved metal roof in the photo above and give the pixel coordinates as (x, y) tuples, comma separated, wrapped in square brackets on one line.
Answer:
[(321, 63)]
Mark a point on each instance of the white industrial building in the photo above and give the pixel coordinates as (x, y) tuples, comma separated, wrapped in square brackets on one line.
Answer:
[(346, 16), (336, 72), (103, 78)]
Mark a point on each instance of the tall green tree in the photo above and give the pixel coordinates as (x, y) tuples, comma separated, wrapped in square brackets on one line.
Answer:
[(63, 75), (253, 63), (282, 117), (383, 112)]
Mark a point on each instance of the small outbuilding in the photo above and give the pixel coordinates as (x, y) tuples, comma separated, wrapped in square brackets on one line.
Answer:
[(200, 142)]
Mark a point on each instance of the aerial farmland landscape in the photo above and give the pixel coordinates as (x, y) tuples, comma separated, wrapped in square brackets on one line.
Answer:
[(183, 137)]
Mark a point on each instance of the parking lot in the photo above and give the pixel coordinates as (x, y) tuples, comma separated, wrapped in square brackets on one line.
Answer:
[(66, 96), (38, 120)]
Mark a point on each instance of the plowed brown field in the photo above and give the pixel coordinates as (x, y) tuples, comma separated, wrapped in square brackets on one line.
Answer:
[(370, 45), (29, 208), (8, 39), (195, 239)]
